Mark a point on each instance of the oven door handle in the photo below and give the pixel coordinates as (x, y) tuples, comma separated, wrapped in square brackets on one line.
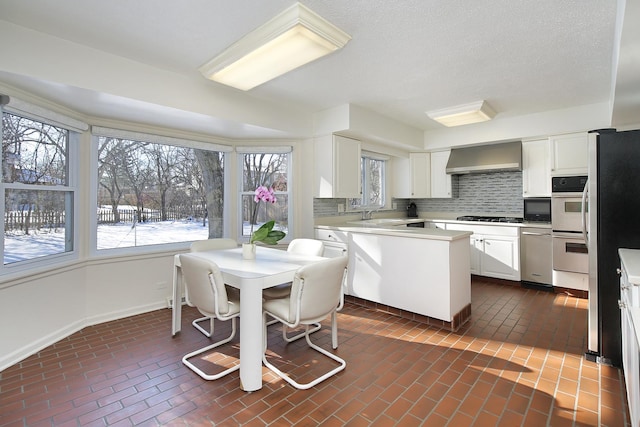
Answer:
[(567, 235), (583, 208)]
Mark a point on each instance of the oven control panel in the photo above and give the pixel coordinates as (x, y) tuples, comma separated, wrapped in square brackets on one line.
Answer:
[(568, 184)]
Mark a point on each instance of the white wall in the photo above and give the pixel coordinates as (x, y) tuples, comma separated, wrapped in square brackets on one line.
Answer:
[(40, 309)]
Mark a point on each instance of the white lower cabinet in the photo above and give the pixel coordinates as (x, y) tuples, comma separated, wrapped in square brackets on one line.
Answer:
[(631, 365), (335, 242), (630, 322), (500, 257), (424, 276), (495, 250), (417, 274)]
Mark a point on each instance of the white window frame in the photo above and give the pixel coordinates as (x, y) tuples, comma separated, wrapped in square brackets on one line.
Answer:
[(75, 128), (364, 182), (155, 139), (241, 150)]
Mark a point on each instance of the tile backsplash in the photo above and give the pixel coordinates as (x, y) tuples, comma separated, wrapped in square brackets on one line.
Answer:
[(475, 194)]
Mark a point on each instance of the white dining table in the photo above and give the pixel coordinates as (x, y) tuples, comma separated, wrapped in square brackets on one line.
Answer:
[(271, 267)]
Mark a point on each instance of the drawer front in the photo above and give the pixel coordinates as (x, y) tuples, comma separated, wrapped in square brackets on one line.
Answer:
[(487, 230), (331, 235)]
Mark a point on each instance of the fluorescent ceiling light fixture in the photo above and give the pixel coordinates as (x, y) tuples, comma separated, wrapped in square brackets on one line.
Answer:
[(295, 37), (474, 112)]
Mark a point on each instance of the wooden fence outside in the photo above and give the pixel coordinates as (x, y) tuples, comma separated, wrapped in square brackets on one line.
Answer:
[(34, 220), (106, 216)]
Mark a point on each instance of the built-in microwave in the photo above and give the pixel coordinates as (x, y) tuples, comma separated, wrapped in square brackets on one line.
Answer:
[(537, 209)]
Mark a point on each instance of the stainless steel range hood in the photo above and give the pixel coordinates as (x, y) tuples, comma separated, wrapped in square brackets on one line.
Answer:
[(486, 158)]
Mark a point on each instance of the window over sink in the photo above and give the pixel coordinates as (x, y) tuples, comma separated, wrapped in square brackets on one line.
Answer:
[(372, 168)]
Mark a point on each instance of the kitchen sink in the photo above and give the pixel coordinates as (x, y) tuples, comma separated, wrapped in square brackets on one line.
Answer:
[(380, 221)]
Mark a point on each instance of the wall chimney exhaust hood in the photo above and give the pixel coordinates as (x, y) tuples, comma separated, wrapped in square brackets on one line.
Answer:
[(485, 158)]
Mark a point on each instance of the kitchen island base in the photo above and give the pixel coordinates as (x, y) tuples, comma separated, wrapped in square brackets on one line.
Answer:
[(427, 277), (459, 319)]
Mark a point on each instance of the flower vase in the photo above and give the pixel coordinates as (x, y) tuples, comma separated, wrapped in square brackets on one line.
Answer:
[(249, 250)]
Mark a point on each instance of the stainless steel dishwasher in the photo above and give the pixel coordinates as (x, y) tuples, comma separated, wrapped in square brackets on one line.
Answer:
[(537, 258)]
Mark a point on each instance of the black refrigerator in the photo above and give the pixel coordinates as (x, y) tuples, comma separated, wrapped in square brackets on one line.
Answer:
[(613, 221)]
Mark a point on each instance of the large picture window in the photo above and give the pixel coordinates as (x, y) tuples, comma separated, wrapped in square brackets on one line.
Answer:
[(153, 193), (270, 169), (38, 198)]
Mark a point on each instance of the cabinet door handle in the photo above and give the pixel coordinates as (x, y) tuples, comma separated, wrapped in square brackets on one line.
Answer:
[(529, 233)]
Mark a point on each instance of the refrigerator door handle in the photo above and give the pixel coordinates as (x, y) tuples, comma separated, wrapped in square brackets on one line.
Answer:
[(585, 195)]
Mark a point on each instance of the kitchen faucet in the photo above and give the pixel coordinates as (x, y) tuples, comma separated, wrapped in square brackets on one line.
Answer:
[(366, 213)]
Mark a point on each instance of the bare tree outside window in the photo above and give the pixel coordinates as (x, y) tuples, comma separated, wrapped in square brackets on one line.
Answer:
[(269, 170), (152, 193), (373, 188), (37, 203)]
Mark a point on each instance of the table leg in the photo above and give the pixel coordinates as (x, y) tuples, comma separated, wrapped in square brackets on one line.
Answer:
[(176, 306), (250, 337)]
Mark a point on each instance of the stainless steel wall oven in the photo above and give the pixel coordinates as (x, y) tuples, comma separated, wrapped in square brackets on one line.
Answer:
[(567, 223)]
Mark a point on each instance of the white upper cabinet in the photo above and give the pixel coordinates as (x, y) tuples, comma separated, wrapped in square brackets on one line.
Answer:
[(420, 170), (337, 166), (536, 168), (440, 179), (569, 154)]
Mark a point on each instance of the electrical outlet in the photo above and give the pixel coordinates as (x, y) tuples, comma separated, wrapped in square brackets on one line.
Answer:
[(170, 301), (340, 207), (394, 205)]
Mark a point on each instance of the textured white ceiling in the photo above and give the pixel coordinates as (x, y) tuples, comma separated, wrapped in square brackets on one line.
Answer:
[(405, 57)]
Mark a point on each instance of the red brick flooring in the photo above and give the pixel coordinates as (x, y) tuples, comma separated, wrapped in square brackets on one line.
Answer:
[(519, 362)]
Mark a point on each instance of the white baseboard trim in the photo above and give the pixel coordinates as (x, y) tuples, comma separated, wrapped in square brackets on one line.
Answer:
[(32, 348)]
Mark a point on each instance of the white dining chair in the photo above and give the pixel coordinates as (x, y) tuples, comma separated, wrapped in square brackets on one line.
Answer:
[(299, 246), (209, 245), (209, 295), (316, 293), (309, 247)]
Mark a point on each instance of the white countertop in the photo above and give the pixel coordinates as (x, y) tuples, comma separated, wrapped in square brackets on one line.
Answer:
[(398, 230), (631, 260), (503, 224), (352, 219), (397, 226)]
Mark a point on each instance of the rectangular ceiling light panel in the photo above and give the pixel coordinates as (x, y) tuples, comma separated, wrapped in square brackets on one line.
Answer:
[(295, 37), (474, 112)]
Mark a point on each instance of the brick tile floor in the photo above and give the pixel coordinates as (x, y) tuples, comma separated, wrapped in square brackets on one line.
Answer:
[(518, 362)]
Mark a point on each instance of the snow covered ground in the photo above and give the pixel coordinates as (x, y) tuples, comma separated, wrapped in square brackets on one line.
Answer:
[(23, 247)]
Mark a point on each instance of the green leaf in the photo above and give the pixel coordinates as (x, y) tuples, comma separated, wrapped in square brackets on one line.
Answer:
[(273, 237), (267, 234)]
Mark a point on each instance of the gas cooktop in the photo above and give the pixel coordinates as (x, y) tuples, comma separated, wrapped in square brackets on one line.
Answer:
[(507, 219)]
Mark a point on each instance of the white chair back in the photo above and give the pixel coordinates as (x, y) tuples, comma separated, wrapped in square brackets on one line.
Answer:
[(306, 247), (317, 290), (316, 293), (205, 286), (213, 244)]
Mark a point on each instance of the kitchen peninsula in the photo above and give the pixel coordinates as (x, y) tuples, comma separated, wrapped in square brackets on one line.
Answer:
[(420, 273)]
